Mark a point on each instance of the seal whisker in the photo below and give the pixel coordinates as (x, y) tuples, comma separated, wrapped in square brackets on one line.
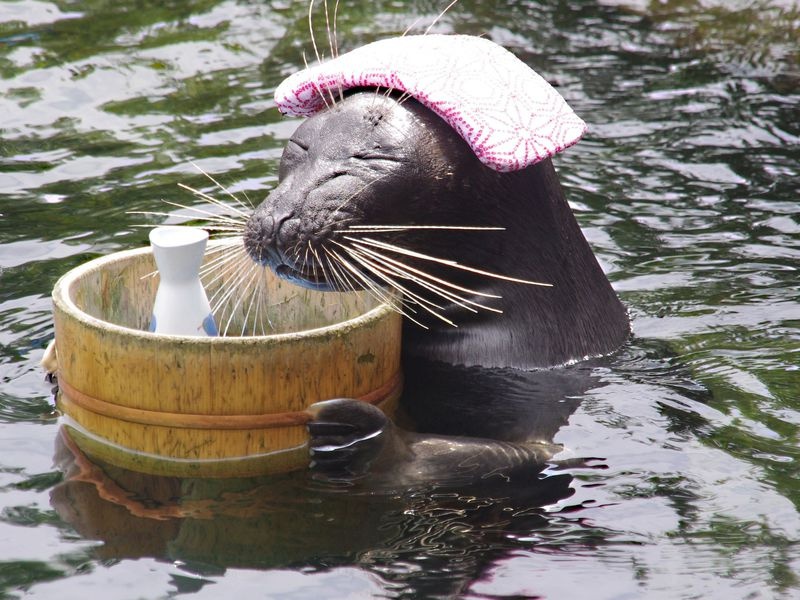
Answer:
[(234, 212), (410, 27), (220, 269), (318, 261), (206, 213), (432, 280), (242, 288), (224, 189), (225, 243), (316, 51), (305, 62), (313, 262), (205, 226), (328, 26), (382, 274), (311, 30), (374, 288), (251, 273), (229, 308), (333, 54), (328, 30), (399, 228), (404, 97), (259, 289), (326, 277), (219, 252), (403, 271), (335, 40), (339, 283), (294, 252), (221, 258), (341, 222), (223, 221), (368, 284), (228, 249), (255, 294), (222, 304), (305, 255), (234, 218), (439, 16), (349, 283), (232, 263), (376, 268), (258, 319), (450, 263)]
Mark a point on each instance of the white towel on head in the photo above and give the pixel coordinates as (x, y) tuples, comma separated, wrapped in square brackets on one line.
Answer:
[(508, 114)]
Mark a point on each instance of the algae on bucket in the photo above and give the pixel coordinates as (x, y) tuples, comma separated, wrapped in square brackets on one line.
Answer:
[(211, 406)]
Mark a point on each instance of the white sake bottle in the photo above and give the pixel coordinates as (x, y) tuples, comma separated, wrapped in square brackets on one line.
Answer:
[(181, 306)]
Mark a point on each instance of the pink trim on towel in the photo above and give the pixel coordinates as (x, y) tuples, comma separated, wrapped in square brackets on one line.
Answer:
[(508, 114)]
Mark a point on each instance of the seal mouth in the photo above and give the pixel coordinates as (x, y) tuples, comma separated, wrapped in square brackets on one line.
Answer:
[(304, 278)]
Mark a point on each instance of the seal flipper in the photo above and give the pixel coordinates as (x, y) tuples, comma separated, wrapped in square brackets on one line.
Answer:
[(346, 437), (351, 439)]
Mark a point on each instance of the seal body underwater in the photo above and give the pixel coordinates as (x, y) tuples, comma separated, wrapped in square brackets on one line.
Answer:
[(375, 160), (352, 440)]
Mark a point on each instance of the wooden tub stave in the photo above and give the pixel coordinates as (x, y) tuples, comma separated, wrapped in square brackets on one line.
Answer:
[(222, 406)]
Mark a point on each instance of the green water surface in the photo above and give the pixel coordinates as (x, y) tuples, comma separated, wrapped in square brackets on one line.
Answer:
[(687, 186)]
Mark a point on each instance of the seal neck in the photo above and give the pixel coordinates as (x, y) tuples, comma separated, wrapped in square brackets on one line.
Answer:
[(580, 316)]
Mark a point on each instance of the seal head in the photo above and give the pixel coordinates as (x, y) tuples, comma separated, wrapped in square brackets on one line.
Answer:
[(509, 115), (359, 185), (380, 189)]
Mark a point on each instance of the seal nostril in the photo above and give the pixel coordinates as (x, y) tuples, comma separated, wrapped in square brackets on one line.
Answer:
[(259, 237)]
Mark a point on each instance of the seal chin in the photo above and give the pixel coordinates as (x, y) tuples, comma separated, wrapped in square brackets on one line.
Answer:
[(302, 278)]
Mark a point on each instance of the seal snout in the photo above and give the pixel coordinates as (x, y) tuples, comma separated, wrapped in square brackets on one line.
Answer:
[(260, 239), (285, 243)]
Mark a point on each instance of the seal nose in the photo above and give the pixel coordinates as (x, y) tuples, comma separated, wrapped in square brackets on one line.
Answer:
[(260, 239)]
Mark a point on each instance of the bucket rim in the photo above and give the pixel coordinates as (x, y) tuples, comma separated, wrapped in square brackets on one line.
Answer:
[(63, 302)]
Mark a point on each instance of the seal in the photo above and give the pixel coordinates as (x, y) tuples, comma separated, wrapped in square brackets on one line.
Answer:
[(425, 165), (352, 440), (372, 191), (441, 186)]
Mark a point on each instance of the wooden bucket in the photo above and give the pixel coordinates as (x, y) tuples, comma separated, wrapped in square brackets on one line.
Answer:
[(211, 407)]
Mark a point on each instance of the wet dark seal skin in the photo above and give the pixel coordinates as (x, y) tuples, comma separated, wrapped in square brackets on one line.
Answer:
[(370, 159), (351, 440)]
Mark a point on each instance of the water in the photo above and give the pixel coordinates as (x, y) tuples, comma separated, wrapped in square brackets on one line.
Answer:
[(686, 186)]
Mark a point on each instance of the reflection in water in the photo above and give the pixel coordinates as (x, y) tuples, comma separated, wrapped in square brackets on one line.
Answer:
[(454, 528), (294, 520), (449, 528)]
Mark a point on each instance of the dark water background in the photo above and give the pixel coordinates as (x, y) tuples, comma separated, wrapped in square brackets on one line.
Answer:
[(687, 186)]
